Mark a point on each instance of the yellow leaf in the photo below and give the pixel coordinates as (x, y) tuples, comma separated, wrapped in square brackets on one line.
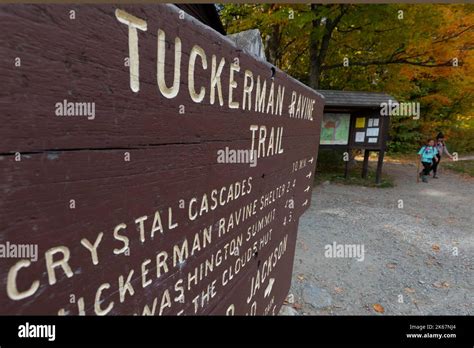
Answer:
[(378, 308)]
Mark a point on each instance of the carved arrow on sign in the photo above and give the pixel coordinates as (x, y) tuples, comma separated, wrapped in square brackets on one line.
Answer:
[(268, 290), (307, 189), (305, 202), (311, 160), (309, 175)]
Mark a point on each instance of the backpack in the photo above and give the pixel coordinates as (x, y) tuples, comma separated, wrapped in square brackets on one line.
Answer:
[(426, 148)]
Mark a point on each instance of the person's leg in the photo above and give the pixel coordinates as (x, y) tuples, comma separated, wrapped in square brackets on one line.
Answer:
[(435, 166), (426, 171), (426, 168), (422, 172)]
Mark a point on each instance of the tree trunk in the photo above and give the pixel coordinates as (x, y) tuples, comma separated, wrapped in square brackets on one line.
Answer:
[(273, 42), (314, 63), (318, 46)]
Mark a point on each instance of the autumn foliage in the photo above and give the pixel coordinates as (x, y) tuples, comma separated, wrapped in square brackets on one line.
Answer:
[(414, 52)]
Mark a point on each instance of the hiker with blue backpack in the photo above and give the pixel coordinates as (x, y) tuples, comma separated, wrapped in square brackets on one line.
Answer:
[(427, 155)]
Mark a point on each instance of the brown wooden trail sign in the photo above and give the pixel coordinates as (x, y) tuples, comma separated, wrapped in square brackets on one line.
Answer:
[(118, 129)]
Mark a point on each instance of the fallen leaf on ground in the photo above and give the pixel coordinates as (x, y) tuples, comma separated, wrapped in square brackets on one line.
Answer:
[(391, 265), (440, 285), (378, 308), (435, 247), (409, 290), (300, 277), (297, 306), (338, 290)]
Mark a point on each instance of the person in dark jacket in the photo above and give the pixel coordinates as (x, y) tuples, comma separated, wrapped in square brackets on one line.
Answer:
[(442, 149)]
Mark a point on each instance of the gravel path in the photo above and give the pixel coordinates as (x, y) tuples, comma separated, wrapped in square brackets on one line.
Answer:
[(418, 257)]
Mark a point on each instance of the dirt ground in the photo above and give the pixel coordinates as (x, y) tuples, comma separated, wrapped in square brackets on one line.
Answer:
[(418, 248)]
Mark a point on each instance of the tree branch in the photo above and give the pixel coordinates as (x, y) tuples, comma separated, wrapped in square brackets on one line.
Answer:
[(447, 38), (349, 30), (389, 61)]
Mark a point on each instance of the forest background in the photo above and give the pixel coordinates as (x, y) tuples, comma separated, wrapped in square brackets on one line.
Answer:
[(415, 52)]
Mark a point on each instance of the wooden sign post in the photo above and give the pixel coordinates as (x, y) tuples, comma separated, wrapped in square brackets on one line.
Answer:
[(148, 166)]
